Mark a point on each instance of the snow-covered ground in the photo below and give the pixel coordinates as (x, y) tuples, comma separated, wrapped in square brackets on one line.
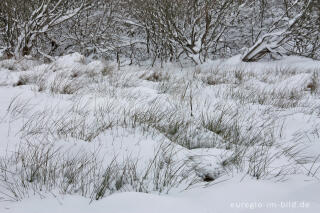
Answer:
[(82, 136)]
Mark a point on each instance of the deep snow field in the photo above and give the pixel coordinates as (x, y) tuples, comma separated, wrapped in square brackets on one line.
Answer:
[(78, 135)]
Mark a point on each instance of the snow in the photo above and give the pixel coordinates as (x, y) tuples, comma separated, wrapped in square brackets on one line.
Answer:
[(194, 117), (229, 196)]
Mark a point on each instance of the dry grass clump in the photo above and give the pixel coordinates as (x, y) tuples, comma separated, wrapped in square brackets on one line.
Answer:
[(41, 169)]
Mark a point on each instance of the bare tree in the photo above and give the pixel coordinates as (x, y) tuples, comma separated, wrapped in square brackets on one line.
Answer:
[(280, 31), (195, 30), (190, 28), (26, 20)]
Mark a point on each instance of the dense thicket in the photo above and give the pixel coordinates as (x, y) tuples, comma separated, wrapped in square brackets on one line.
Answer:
[(163, 30)]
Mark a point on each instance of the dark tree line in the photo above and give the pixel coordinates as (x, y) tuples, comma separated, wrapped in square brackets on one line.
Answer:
[(165, 30)]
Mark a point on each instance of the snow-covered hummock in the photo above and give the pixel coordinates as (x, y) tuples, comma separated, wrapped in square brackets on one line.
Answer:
[(214, 86), (235, 195)]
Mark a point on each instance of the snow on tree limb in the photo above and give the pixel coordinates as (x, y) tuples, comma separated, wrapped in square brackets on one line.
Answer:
[(275, 37)]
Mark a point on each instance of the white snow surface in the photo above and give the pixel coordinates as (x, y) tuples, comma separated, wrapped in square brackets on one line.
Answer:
[(78, 106)]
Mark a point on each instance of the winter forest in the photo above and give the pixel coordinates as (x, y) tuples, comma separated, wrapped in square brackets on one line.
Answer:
[(159, 106), (195, 30)]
